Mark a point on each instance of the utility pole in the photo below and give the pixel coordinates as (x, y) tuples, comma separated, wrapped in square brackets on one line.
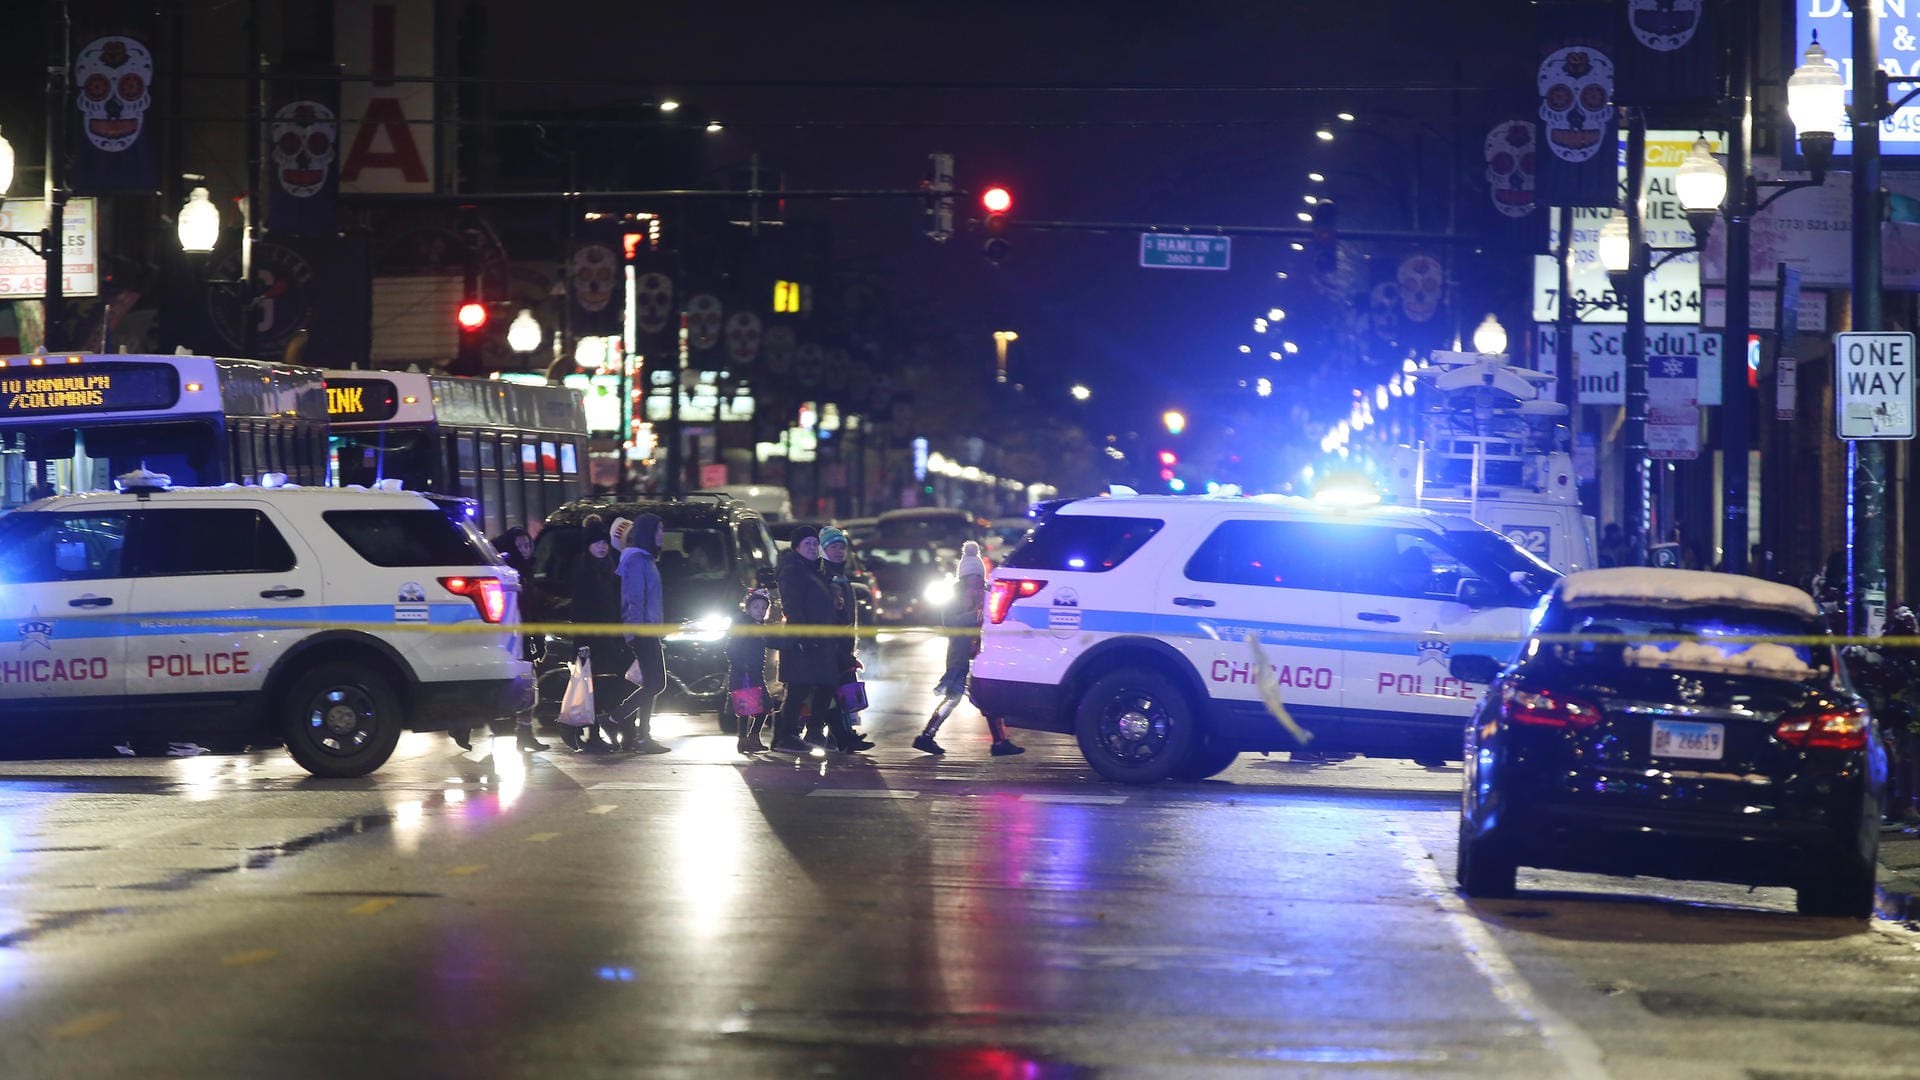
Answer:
[(1866, 459), (53, 240), (1639, 482), (1736, 404)]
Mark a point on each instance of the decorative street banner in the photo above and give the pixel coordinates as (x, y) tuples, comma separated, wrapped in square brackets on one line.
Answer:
[(114, 144), (1667, 52), (1511, 166), (1578, 128), (595, 283), (303, 138), (387, 126)]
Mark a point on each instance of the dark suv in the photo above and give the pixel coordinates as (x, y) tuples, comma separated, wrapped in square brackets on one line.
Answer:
[(716, 549)]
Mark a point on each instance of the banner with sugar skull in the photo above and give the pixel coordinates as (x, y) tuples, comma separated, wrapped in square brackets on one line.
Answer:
[(596, 283), (1667, 51), (1579, 126), (113, 138), (303, 154)]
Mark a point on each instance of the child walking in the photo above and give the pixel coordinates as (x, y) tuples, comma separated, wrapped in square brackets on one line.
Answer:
[(967, 609), (747, 673)]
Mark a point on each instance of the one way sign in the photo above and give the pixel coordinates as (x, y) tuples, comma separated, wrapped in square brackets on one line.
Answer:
[(1873, 379)]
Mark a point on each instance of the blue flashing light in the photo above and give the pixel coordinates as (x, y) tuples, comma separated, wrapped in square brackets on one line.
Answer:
[(1177, 484), (1213, 487)]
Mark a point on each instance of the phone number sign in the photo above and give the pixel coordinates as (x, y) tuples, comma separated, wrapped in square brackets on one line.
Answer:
[(23, 274)]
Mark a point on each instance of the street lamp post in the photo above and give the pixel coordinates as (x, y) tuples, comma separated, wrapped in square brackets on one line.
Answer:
[(1000, 340)]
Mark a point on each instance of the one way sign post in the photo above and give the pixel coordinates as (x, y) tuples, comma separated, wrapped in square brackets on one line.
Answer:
[(1873, 385)]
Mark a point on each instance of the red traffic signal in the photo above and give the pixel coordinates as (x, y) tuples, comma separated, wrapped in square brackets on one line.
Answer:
[(472, 315), (996, 200), (1167, 457)]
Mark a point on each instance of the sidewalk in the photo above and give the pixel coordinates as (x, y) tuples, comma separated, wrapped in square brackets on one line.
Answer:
[(1899, 873)]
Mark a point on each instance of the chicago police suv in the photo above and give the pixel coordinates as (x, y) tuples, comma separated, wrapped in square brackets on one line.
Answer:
[(240, 615), (1125, 622)]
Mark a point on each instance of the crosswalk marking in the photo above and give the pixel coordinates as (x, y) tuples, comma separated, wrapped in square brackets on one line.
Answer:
[(606, 809), (248, 957), (372, 907), (541, 837), (87, 1024), (466, 871), (863, 793), (1089, 800), (635, 785)]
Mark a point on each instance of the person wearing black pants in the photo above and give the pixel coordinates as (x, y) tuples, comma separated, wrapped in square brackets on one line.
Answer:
[(809, 665), (640, 603)]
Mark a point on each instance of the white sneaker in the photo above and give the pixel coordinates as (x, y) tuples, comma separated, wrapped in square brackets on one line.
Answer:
[(125, 748), (185, 749)]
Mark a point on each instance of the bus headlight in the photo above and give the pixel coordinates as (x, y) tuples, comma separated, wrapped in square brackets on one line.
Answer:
[(704, 628)]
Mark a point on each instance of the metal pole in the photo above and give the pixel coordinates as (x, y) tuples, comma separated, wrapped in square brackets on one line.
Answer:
[(1735, 408), (1639, 479), (673, 411), (1866, 548), (250, 203), (53, 240)]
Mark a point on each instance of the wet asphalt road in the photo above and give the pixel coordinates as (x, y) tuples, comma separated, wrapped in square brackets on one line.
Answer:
[(482, 915)]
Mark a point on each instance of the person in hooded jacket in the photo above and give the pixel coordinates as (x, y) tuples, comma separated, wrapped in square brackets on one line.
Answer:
[(747, 669), (516, 550), (640, 603), (833, 567), (965, 611), (810, 666), (596, 599)]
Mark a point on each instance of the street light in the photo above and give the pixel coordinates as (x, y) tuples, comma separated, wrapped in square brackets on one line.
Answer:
[(198, 223), (1080, 393), (1175, 420), (668, 105), (1000, 340), (1489, 339), (1616, 244), (524, 335), (1817, 105)]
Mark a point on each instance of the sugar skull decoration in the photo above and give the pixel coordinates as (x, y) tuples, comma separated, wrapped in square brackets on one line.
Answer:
[(305, 137), (1663, 25), (777, 346), (1576, 101), (704, 315), (115, 77), (1422, 283), (592, 273), (653, 302), (836, 369), (808, 360), (743, 337), (1510, 167)]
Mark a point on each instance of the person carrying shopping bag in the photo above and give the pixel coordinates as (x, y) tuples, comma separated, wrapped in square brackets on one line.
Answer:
[(747, 671), (849, 695), (640, 603), (596, 600), (966, 609), (809, 665)]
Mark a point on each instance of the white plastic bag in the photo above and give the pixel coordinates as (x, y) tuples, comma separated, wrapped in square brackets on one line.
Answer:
[(576, 705), (635, 675)]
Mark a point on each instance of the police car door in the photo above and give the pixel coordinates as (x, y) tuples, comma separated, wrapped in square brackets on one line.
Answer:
[(1402, 611), (1269, 578), (64, 601), (227, 562)]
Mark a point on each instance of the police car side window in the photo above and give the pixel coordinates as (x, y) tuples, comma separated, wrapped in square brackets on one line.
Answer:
[(406, 538), (177, 543), (61, 547), (1395, 562), (1274, 554)]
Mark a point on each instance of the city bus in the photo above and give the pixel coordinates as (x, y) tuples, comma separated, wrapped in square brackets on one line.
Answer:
[(72, 422), (518, 450)]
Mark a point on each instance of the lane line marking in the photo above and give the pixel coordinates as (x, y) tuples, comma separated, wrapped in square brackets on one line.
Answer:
[(862, 793), (1573, 1046), (87, 1024), (466, 871), (541, 837), (248, 957), (1089, 800), (372, 907), (607, 809)]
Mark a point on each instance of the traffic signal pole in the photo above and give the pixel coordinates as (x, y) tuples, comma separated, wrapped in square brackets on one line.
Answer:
[(1866, 459)]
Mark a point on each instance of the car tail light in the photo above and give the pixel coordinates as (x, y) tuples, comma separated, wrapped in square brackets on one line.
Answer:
[(1825, 729), (1004, 591), (877, 595), (488, 594), (1537, 708)]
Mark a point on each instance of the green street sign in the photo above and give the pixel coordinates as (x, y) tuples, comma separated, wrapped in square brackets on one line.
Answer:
[(1175, 251)]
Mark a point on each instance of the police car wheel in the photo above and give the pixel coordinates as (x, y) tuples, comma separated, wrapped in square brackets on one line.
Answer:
[(341, 721), (1205, 759), (1134, 726)]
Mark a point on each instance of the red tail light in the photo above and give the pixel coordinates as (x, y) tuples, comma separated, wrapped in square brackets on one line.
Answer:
[(1541, 709), (1004, 591), (1825, 729), (489, 595)]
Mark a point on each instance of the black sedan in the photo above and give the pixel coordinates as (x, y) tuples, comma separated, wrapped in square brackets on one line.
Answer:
[(1644, 730)]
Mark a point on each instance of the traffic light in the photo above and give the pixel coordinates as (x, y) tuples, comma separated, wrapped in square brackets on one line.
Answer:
[(1168, 457), (471, 318), (1326, 235), (996, 201), (939, 186)]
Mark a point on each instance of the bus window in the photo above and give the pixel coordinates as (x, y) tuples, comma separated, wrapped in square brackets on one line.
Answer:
[(513, 505), (466, 458), (491, 493)]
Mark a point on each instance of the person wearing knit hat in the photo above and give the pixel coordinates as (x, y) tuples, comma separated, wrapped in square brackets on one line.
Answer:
[(596, 601), (617, 533), (965, 611), (833, 566), (809, 664), (747, 671), (640, 603)]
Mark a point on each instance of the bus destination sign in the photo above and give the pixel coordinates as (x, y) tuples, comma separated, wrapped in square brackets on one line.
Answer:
[(362, 399), (88, 388)]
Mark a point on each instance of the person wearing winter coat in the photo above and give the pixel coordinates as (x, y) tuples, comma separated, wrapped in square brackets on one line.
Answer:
[(516, 550), (833, 567), (596, 599), (967, 609), (747, 669), (810, 666), (641, 603)]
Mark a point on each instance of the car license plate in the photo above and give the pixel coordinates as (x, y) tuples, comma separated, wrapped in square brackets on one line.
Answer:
[(1682, 739)]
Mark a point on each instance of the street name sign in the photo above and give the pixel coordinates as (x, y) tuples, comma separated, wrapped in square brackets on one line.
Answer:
[(1873, 385), (1175, 251)]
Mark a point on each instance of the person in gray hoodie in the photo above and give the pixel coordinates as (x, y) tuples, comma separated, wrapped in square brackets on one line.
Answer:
[(640, 603)]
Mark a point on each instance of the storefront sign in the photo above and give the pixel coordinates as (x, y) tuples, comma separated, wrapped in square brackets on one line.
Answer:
[(23, 274), (1600, 359)]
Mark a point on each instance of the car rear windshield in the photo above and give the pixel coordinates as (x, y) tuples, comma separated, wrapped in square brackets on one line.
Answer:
[(424, 537), (1703, 638), (1091, 543)]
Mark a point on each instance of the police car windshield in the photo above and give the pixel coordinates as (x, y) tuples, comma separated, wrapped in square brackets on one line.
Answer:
[(1498, 559)]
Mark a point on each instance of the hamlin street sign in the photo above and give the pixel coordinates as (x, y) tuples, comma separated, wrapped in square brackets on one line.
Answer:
[(1175, 251), (1873, 385)]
